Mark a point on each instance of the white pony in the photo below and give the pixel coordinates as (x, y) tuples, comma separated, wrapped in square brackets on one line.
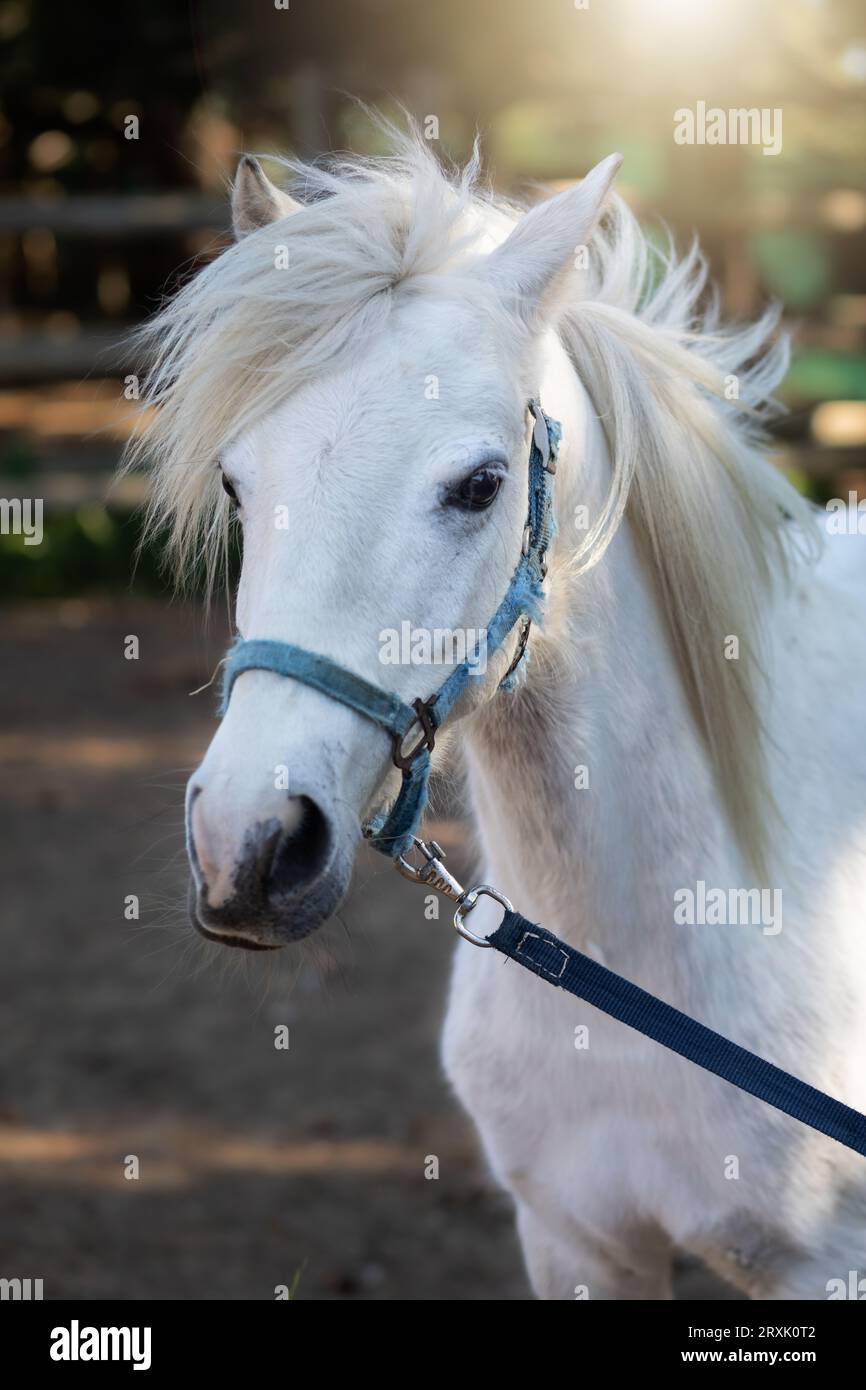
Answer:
[(354, 371)]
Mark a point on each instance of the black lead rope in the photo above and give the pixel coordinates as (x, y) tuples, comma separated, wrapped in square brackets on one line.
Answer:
[(552, 960)]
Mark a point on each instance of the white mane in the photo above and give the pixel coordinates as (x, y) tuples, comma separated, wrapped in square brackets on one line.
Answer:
[(709, 512)]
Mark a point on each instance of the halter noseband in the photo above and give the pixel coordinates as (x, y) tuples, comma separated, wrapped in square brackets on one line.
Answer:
[(392, 832)]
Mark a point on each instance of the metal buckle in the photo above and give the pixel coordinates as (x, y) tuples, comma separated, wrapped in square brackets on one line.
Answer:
[(466, 905), (521, 648), (431, 872), (427, 740), (542, 438)]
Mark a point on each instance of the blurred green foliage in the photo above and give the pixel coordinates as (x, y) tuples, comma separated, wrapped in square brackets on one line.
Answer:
[(825, 374), (795, 265), (92, 549), (81, 551)]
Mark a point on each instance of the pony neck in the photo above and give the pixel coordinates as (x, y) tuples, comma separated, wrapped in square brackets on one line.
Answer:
[(578, 778)]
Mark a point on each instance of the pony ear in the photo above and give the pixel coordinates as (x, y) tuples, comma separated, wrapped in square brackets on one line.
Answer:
[(255, 200), (532, 263)]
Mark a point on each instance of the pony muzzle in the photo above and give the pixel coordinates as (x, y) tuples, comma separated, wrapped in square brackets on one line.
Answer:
[(282, 882)]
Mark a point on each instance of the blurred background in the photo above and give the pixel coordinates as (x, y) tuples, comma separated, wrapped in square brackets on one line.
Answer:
[(120, 126)]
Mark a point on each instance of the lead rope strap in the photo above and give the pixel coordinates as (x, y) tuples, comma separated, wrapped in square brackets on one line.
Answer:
[(552, 960)]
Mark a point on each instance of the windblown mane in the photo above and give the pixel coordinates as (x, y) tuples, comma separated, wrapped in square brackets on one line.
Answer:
[(681, 399)]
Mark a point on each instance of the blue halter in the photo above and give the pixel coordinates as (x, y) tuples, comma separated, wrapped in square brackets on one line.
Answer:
[(391, 832)]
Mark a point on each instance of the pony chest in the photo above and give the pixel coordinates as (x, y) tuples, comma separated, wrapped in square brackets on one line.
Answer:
[(514, 1047)]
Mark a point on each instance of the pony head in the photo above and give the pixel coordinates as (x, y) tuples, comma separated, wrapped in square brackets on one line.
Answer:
[(348, 384)]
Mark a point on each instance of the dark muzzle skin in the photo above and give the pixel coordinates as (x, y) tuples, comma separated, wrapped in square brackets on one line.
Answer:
[(284, 887)]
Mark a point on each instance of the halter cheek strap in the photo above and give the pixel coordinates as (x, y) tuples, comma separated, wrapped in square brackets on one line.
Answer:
[(392, 831)]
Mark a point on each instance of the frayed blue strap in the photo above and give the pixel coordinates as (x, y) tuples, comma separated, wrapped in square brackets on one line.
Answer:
[(392, 832), (284, 659)]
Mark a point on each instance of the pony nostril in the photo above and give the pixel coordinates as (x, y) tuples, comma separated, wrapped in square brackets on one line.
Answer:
[(300, 855)]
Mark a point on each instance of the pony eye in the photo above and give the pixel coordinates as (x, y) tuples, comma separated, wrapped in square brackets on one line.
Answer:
[(477, 491), (228, 487)]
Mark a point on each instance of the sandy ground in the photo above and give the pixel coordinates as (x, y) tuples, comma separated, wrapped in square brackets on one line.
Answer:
[(126, 1040)]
